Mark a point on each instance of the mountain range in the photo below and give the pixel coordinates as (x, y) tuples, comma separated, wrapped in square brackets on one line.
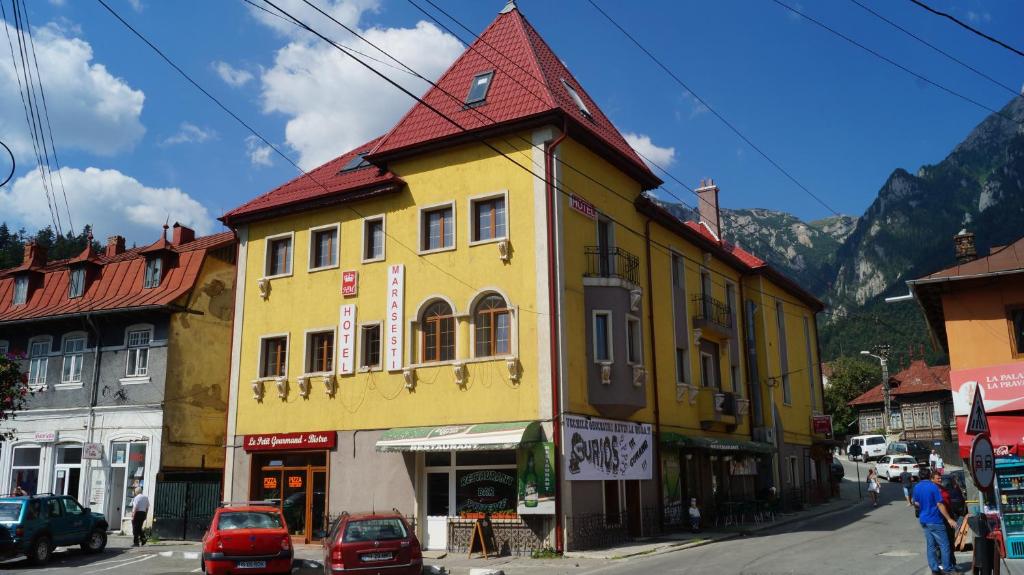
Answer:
[(854, 263)]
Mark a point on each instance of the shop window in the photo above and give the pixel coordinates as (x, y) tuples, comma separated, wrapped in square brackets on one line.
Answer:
[(320, 352), (20, 290), (4, 347), (634, 342), (438, 459), (492, 322), (67, 470), (489, 219), (129, 462), (602, 336), (38, 352), (369, 345), (76, 282), (1017, 330), (74, 355), (137, 363), (477, 458), (154, 272), (486, 491), (323, 248), (273, 356), (437, 227), (25, 469), (279, 256), (373, 239), (612, 503), (438, 327)]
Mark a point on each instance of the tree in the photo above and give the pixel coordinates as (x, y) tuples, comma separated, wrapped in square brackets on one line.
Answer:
[(12, 244), (850, 378), (14, 391)]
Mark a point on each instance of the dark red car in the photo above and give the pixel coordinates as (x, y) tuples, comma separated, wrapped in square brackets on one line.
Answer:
[(372, 544), (247, 538)]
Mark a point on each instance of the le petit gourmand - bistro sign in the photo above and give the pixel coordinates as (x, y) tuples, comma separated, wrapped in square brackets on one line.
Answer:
[(288, 441)]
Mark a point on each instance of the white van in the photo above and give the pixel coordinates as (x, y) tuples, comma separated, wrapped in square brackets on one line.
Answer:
[(872, 446)]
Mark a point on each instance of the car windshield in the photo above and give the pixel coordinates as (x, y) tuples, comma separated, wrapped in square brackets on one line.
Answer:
[(374, 530), (10, 510), (249, 520), (898, 447)]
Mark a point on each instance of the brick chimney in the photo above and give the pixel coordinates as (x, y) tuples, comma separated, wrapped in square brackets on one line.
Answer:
[(966, 251), (115, 245), (707, 206), (182, 235), (34, 256)]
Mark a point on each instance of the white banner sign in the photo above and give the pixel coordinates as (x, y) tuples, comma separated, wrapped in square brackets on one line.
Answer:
[(396, 316), (347, 340), (46, 436), (602, 449), (92, 451)]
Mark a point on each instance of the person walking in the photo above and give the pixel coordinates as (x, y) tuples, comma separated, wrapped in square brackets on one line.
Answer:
[(694, 515), (140, 508), (940, 465), (906, 480), (934, 516), (933, 460), (873, 487)]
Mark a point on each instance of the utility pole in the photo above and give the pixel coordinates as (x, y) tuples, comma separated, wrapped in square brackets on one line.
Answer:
[(882, 355)]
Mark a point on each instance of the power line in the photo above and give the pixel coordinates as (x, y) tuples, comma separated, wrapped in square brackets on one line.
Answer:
[(718, 115), (936, 48), (894, 63), (968, 27)]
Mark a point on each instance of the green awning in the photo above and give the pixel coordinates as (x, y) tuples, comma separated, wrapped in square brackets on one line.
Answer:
[(714, 443), (475, 437)]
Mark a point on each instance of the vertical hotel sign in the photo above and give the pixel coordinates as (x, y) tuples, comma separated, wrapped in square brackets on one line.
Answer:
[(347, 340), (396, 316)]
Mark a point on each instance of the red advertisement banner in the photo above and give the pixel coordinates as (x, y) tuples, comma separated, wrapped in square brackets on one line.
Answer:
[(1002, 387), (821, 424)]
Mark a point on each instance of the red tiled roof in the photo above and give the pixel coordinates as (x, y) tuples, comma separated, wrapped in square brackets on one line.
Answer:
[(324, 184), (117, 285), (527, 84), (1001, 259), (749, 259), (919, 377)]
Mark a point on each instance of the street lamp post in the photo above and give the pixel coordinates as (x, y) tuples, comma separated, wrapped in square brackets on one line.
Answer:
[(887, 418)]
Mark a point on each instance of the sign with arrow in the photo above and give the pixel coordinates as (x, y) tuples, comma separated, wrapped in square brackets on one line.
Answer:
[(977, 423)]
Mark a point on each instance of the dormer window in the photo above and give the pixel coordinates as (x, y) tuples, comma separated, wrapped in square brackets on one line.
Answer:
[(576, 98), (154, 272), (20, 289), (358, 161), (479, 88), (76, 282)]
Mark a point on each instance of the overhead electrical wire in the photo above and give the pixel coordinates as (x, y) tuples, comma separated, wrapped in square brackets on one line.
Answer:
[(968, 27), (13, 164)]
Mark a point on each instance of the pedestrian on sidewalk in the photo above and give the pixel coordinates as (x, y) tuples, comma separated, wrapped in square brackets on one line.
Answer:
[(933, 460), (873, 487), (940, 465), (140, 508), (906, 480), (694, 515), (934, 516)]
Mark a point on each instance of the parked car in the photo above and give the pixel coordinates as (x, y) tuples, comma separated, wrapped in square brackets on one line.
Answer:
[(872, 446), (367, 542), (916, 449), (247, 538), (838, 472), (34, 525), (890, 466)]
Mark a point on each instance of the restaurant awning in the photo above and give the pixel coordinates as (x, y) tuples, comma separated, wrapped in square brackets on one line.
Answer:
[(475, 437), (714, 443)]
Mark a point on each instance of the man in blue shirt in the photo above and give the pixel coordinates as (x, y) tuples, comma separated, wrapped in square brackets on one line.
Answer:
[(933, 515)]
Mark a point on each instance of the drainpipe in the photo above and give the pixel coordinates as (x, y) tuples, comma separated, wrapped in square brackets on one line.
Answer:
[(654, 383), (553, 315), (741, 333), (93, 399)]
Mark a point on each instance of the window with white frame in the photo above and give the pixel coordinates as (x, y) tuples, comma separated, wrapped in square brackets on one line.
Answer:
[(634, 341), (26, 469), (437, 326), (38, 352), (323, 248), (154, 272), (20, 289), (320, 352), (708, 371), (76, 282), (74, 356), (437, 226), (489, 221), (492, 324), (602, 327), (279, 256), (138, 352), (369, 345), (373, 239), (273, 356)]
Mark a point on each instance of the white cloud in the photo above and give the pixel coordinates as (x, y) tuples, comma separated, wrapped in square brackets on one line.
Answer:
[(234, 77), (332, 102), (190, 133), (347, 12), (696, 107), (89, 108), (112, 202), (136, 5), (651, 153), (259, 153)]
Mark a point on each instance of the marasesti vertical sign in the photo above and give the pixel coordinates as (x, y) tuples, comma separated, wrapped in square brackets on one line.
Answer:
[(393, 336)]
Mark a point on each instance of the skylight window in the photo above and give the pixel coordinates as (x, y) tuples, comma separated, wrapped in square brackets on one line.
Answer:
[(576, 98), (479, 88), (357, 161)]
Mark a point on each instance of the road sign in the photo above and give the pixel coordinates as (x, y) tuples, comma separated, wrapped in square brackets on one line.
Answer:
[(977, 423), (983, 462)]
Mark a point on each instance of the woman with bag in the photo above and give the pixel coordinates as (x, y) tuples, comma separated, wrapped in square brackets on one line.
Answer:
[(873, 487)]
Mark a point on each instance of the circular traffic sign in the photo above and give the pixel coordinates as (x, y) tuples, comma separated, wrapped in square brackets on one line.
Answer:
[(983, 462)]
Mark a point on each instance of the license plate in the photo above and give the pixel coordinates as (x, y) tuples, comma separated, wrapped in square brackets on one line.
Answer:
[(377, 557), (251, 565)]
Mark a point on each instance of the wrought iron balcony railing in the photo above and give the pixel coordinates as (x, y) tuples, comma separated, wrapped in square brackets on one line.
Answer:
[(711, 310), (605, 262)]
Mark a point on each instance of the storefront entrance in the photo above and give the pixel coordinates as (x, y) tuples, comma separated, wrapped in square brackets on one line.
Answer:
[(297, 482)]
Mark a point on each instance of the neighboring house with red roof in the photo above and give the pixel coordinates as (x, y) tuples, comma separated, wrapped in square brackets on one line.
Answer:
[(126, 354), (920, 403)]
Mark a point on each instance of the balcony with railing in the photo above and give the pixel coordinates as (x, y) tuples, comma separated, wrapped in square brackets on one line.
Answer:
[(711, 315), (612, 263)]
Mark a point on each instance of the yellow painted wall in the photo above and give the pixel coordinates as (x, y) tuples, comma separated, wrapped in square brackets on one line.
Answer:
[(311, 300), (976, 322), (196, 391)]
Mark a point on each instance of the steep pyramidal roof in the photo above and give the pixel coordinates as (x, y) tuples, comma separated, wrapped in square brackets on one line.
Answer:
[(529, 86)]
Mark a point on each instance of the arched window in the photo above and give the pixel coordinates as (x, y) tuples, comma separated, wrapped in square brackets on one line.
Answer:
[(438, 326), (492, 321)]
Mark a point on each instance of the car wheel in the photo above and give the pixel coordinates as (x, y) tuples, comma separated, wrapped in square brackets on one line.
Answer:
[(40, 551), (96, 542), (202, 565)]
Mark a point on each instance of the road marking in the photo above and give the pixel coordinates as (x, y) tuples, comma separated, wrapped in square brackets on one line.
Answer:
[(191, 554), (121, 559), (196, 570), (119, 565), (166, 553)]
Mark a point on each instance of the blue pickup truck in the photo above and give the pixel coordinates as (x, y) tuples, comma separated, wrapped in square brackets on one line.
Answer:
[(34, 525)]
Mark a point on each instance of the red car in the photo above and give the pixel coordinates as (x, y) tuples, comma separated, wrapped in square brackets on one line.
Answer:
[(372, 544), (247, 538)]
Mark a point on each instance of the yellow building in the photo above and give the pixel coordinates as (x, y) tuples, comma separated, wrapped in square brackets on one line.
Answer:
[(455, 319)]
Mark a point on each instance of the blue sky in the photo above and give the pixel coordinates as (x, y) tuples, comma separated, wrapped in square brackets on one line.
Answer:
[(139, 144)]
